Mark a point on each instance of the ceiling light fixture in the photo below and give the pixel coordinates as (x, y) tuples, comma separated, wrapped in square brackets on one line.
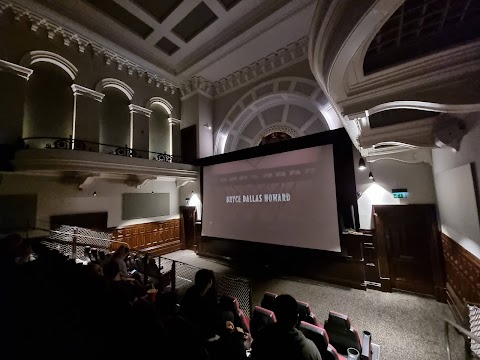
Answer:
[(208, 126), (361, 164)]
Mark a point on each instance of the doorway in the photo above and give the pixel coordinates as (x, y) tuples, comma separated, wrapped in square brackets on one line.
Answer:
[(409, 248)]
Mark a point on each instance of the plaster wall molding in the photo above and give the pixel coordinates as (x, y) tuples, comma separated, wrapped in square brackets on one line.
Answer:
[(117, 84), (38, 56), (424, 106), (83, 91), (162, 102), (135, 109), (22, 71)]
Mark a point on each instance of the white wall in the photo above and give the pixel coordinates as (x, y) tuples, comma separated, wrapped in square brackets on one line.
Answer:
[(56, 197), (205, 135), (391, 174), (445, 159)]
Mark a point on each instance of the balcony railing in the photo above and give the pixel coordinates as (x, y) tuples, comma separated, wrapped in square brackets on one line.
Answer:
[(83, 145)]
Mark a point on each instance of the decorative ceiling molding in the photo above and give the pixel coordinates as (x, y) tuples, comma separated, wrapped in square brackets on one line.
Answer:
[(261, 68), (117, 84), (135, 109), (37, 56), (339, 38), (424, 106), (69, 36), (416, 156), (15, 69), (428, 71), (83, 91), (419, 133)]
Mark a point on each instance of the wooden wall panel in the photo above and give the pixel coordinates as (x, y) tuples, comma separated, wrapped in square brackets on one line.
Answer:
[(463, 270), (156, 238)]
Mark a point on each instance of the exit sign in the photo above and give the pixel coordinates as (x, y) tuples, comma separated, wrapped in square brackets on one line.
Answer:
[(400, 193)]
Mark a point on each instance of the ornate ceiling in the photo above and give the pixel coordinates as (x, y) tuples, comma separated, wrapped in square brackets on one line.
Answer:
[(185, 38)]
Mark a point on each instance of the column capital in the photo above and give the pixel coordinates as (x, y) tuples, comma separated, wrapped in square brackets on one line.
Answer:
[(15, 69), (135, 109), (173, 121), (81, 90)]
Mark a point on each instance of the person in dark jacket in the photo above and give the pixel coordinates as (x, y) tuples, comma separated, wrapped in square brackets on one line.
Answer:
[(282, 340), (199, 304)]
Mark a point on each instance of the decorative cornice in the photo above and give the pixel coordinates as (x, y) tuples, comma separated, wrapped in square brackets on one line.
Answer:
[(81, 90), (135, 109), (15, 69), (69, 36), (282, 58), (196, 85), (173, 121)]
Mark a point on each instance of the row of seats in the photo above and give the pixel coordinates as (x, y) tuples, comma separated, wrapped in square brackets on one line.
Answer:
[(332, 339)]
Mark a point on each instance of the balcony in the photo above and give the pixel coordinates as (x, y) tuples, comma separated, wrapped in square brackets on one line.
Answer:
[(84, 159)]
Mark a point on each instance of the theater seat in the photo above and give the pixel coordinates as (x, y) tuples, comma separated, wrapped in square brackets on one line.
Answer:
[(260, 319), (341, 333), (268, 301), (305, 314), (320, 338), (230, 303)]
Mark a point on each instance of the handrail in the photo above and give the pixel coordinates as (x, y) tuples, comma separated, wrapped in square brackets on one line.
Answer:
[(463, 331), (78, 141)]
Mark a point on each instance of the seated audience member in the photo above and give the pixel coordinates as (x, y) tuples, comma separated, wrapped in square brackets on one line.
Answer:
[(95, 268), (119, 257), (282, 340), (121, 291), (183, 339), (199, 304), (232, 344)]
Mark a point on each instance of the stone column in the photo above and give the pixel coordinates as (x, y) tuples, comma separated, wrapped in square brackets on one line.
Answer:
[(139, 129), (87, 114), (13, 83)]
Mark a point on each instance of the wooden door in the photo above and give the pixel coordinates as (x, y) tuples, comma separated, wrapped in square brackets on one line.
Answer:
[(189, 144), (188, 217), (409, 242)]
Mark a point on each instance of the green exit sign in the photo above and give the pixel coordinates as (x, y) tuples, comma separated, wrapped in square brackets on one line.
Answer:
[(400, 193)]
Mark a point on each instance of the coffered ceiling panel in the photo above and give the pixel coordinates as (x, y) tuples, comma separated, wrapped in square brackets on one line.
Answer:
[(159, 9), (179, 35)]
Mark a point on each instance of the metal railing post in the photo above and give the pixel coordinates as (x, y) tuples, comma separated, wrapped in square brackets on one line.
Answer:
[(174, 277), (145, 268), (74, 243)]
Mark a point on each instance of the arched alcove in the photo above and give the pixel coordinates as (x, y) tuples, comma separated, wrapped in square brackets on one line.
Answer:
[(116, 121), (48, 107), (290, 105), (160, 132)]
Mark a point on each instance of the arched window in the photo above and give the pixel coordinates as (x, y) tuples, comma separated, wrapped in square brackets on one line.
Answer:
[(48, 107), (115, 126), (160, 132)]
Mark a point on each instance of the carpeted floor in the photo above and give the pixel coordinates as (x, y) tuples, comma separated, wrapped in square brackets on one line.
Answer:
[(407, 327)]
